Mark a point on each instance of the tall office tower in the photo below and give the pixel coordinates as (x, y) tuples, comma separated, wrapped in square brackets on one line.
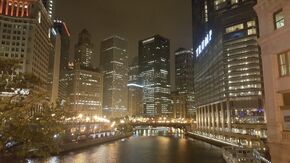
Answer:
[(84, 50), (114, 66), (49, 5), (24, 36), (154, 68), (61, 28), (184, 75), (228, 78), (135, 90), (274, 18)]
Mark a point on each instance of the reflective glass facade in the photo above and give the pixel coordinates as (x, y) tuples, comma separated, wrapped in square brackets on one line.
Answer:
[(184, 65), (114, 65), (154, 68), (228, 78)]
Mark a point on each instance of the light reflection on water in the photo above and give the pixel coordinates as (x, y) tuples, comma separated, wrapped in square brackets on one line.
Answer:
[(156, 146)]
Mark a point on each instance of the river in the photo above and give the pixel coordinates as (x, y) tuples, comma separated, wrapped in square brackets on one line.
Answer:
[(145, 146)]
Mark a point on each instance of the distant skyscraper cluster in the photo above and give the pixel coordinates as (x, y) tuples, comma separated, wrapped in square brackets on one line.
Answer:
[(115, 89)]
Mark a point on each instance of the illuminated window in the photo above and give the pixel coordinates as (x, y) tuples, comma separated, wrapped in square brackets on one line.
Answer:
[(205, 11), (252, 31), (279, 19), (251, 23), (234, 28), (284, 63), (218, 2), (234, 1)]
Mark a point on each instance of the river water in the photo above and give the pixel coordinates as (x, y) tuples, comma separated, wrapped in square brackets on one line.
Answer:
[(144, 147)]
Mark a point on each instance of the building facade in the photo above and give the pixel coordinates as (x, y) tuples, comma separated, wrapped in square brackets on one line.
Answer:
[(114, 65), (274, 21), (50, 6), (184, 75), (54, 70), (86, 91), (85, 84), (84, 50), (228, 79), (179, 105), (24, 28), (154, 68), (65, 58), (135, 91)]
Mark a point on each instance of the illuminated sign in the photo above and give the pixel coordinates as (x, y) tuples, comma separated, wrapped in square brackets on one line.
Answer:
[(204, 43)]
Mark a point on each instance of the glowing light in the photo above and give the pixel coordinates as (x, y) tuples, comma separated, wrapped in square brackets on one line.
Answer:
[(203, 43)]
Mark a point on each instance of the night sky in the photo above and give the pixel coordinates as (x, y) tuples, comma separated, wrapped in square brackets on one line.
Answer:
[(131, 19)]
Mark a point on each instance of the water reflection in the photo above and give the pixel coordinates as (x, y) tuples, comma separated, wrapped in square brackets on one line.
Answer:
[(146, 146)]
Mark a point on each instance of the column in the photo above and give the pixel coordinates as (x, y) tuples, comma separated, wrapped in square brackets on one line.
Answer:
[(217, 116), (222, 116), (229, 116), (197, 118), (207, 117), (201, 117), (1, 6), (212, 116), (7, 7)]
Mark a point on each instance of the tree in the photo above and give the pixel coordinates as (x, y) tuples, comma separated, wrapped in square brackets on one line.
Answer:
[(29, 124)]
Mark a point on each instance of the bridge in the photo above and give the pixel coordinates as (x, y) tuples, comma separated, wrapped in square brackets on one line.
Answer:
[(161, 124)]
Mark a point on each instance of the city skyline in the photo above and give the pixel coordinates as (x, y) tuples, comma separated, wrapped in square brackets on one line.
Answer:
[(126, 74), (171, 19)]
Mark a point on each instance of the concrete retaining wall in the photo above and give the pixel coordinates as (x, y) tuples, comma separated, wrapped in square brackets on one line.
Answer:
[(87, 143)]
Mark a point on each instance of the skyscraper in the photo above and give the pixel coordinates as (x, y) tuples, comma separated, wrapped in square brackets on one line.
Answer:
[(135, 90), (54, 69), (49, 5), (85, 84), (114, 65), (274, 18), (61, 28), (184, 65), (154, 68), (84, 50), (228, 77), (24, 36)]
